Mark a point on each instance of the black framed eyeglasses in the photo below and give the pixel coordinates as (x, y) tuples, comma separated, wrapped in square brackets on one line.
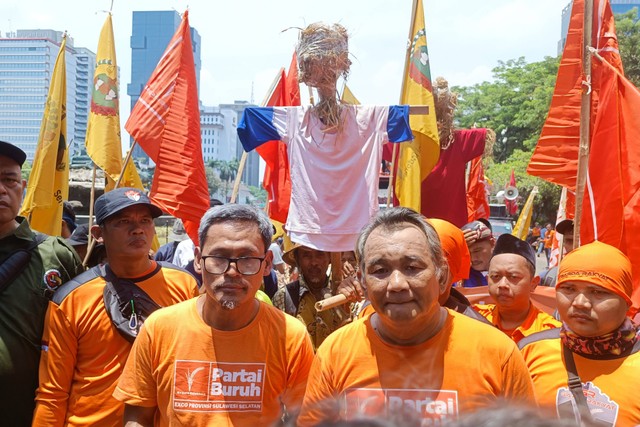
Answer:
[(247, 266)]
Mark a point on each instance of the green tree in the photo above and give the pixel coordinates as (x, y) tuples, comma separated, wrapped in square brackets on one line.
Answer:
[(213, 181), (259, 195), (227, 171), (26, 170), (628, 33), (546, 202), (514, 105)]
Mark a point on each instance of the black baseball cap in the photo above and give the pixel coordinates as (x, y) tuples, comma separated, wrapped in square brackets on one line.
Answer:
[(13, 152), (509, 244), (114, 201), (80, 236)]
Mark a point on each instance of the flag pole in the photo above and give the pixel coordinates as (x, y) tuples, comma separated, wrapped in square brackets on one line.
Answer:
[(243, 159), (585, 118), (90, 240), (124, 165), (414, 10)]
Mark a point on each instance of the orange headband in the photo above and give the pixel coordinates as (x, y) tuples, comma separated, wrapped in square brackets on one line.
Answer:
[(600, 264)]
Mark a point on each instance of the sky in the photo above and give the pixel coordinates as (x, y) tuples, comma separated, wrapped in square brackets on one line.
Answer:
[(245, 42)]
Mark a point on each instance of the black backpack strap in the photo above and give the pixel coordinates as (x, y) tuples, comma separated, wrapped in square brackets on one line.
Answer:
[(575, 386), (63, 291), (14, 263), (292, 297)]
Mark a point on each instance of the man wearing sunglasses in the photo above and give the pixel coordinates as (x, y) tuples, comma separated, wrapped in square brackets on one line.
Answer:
[(223, 358)]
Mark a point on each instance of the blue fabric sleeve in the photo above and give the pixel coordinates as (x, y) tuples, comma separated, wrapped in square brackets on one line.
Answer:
[(398, 127), (256, 127)]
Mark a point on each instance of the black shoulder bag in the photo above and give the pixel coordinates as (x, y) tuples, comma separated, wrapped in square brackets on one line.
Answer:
[(14, 263), (127, 305), (575, 386)]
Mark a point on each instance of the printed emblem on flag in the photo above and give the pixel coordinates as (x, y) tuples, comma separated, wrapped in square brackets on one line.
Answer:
[(52, 279), (132, 195), (201, 386), (436, 406), (104, 100)]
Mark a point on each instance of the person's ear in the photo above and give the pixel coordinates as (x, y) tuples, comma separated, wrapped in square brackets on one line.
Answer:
[(96, 232), (534, 283), (268, 261), (197, 258)]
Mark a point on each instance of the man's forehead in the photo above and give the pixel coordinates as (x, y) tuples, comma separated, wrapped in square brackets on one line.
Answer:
[(131, 210), (510, 260)]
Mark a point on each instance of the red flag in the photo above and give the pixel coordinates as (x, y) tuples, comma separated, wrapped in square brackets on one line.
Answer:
[(555, 158), (277, 180), (477, 203), (512, 205), (166, 123), (611, 208)]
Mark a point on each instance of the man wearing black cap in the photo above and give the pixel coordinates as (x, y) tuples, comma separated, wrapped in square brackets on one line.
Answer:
[(511, 281), (25, 287), (93, 319)]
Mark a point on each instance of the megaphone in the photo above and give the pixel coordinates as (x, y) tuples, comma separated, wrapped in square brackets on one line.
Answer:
[(511, 193)]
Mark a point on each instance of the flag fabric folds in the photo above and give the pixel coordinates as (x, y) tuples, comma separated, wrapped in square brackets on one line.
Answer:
[(277, 178), (477, 203), (166, 123), (103, 128), (48, 183), (611, 207), (555, 158), (416, 158), (521, 230)]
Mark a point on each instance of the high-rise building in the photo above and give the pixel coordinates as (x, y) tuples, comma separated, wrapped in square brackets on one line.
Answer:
[(251, 172), (617, 6), (218, 128), (27, 58), (150, 36)]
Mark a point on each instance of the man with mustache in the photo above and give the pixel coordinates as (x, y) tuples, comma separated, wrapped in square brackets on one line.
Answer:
[(224, 358), (25, 293), (89, 328), (511, 280), (298, 298)]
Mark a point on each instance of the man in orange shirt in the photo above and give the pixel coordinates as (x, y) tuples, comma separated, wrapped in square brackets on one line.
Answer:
[(223, 358), (83, 351), (410, 359), (511, 280)]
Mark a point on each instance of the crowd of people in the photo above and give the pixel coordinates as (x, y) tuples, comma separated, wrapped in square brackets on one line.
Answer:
[(225, 331)]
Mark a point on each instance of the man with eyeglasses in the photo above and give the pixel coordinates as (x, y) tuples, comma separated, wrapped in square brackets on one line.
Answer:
[(223, 358), (25, 288)]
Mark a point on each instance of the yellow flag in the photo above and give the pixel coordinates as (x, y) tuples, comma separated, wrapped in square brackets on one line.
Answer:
[(524, 220), (48, 183), (103, 128), (348, 97), (417, 157)]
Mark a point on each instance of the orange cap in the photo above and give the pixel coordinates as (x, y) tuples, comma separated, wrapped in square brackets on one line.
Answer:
[(454, 248), (599, 264)]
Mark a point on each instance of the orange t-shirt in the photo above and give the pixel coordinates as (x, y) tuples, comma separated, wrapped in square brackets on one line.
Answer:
[(536, 321), (198, 376), (83, 354), (548, 238), (466, 366), (610, 386)]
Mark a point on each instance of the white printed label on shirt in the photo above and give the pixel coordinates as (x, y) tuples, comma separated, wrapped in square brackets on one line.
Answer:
[(602, 408), (200, 386), (430, 407)]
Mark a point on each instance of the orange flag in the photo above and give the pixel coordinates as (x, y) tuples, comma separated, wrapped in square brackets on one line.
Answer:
[(277, 180), (477, 203), (166, 123), (555, 158), (611, 208)]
